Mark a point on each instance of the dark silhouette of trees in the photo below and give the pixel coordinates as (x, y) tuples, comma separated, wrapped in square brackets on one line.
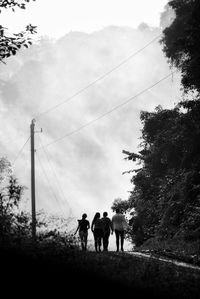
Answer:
[(13, 224), (167, 190), (166, 193), (181, 41), (118, 203)]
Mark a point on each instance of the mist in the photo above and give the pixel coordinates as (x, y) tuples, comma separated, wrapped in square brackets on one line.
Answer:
[(82, 172)]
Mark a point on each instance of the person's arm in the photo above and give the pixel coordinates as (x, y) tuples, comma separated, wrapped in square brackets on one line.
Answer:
[(88, 225), (111, 226), (77, 228), (92, 229)]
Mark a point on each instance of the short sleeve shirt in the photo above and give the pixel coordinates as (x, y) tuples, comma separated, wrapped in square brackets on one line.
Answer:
[(106, 224), (83, 225), (119, 222)]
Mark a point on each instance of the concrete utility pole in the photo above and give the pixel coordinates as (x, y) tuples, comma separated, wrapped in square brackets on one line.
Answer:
[(32, 127)]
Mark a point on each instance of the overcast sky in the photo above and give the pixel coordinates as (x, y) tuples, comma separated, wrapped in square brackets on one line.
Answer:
[(88, 164), (56, 18)]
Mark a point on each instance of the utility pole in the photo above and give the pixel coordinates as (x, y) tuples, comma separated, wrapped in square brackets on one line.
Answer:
[(32, 127)]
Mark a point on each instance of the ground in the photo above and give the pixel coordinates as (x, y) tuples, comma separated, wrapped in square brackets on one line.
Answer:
[(48, 272)]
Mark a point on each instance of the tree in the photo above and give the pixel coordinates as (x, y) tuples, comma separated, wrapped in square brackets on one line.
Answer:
[(143, 26), (181, 41), (166, 194), (9, 200), (5, 168), (118, 203), (10, 44)]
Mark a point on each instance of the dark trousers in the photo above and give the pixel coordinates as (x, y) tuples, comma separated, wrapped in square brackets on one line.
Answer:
[(106, 236), (98, 234), (119, 235)]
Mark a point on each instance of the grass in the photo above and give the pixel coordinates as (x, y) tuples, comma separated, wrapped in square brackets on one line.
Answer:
[(71, 270), (176, 248)]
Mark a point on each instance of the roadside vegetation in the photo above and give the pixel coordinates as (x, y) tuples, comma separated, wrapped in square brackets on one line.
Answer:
[(164, 205), (166, 178)]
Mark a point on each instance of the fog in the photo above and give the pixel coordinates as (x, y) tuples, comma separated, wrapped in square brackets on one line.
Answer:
[(81, 172)]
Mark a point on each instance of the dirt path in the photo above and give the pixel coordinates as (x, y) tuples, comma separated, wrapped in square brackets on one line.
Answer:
[(167, 260)]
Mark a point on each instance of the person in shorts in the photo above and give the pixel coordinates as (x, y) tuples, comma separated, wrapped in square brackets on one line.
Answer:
[(83, 226)]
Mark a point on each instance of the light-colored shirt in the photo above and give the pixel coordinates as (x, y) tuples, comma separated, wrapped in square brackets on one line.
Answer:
[(119, 222)]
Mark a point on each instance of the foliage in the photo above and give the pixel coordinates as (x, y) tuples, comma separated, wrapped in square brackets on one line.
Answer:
[(5, 168), (118, 203), (11, 222), (136, 232), (57, 240), (10, 44), (12, 4), (15, 224), (175, 248), (166, 193), (181, 41)]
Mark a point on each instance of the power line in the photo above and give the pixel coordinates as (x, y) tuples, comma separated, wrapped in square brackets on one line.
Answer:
[(20, 151), (106, 113), (45, 174), (99, 78), (55, 175)]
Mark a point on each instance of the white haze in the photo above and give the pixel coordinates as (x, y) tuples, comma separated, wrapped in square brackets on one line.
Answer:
[(83, 171), (56, 18)]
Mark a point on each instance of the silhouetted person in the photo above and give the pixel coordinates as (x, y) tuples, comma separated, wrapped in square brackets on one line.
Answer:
[(107, 228), (97, 231), (83, 226), (119, 226)]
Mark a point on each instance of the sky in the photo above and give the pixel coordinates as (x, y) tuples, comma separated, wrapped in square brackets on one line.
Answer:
[(82, 172), (56, 18)]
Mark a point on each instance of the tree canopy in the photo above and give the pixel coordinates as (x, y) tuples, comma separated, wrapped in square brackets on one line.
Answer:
[(181, 41), (166, 188)]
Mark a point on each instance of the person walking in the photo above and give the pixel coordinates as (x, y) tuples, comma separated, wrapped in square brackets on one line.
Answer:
[(119, 225), (97, 230), (107, 228), (83, 226)]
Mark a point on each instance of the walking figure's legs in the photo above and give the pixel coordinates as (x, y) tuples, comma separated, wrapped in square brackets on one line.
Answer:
[(122, 241), (82, 241), (99, 243), (105, 241), (95, 240), (117, 239), (85, 242)]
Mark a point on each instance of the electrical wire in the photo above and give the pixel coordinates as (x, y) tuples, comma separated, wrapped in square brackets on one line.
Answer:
[(99, 78), (106, 113), (55, 175), (20, 151), (45, 174)]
